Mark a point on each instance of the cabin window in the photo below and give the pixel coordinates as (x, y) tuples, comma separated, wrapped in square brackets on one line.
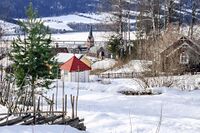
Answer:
[(184, 58)]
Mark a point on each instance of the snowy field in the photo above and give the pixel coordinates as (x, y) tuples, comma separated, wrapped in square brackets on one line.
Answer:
[(107, 111), (76, 36)]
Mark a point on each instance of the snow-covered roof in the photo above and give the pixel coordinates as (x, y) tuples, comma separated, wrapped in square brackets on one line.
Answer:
[(63, 57)]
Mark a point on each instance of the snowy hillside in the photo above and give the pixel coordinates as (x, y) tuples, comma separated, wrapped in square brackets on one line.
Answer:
[(8, 28), (67, 23), (62, 22)]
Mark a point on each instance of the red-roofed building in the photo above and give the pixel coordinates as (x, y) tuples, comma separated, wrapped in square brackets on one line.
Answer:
[(75, 70)]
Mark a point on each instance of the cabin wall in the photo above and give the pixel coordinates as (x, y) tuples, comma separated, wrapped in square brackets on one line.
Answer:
[(171, 63), (76, 76)]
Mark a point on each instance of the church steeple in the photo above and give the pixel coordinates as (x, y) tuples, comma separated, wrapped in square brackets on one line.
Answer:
[(90, 40), (90, 33)]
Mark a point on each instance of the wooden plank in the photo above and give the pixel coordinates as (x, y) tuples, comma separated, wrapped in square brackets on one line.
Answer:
[(67, 121), (50, 119), (81, 127), (3, 118), (31, 121), (16, 120), (42, 112)]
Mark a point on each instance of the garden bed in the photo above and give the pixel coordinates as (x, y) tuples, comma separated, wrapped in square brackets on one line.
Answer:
[(137, 93)]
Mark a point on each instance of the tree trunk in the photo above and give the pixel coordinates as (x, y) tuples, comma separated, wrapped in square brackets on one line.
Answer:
[(193, 18), (33, 99)]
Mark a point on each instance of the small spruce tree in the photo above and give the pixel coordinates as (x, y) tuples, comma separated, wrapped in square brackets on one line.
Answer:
[(34, 62)]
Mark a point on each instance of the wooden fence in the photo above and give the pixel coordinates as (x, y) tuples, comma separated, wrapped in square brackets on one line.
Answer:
[(138, 74), (120, 75), (44, 109)]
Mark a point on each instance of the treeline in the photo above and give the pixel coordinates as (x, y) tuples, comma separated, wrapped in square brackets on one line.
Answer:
[(154, 16), (17, 8), (157, 23)]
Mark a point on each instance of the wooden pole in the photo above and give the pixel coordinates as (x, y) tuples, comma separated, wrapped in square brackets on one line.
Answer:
[(42, 104), (63, 98), (72, 104), (56, 104), (52, 103), (65, 104), (38, 107), (33, 101), (77, 95)]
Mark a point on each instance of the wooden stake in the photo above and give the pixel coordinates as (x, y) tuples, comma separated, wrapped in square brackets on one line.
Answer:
[(77, 95), (63, 99), (72, 104), (56, 104), (42, 100), (52, 103), (65, 104), (38, 106)]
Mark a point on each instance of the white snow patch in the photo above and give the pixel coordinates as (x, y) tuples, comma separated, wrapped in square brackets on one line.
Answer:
[(104, 64), (132, 66), (8, 28), (63, 57), (39, 129)]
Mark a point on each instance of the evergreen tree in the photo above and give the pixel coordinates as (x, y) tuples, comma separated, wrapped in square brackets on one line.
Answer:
[(114, 46), (33, 57), (34, 62)]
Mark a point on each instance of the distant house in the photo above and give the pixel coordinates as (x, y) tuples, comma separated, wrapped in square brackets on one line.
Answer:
[(58, 49), (100, 52), (182, 56)]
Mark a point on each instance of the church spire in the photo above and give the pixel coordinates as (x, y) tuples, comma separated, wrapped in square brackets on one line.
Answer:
[(90, 33), (90, 40)]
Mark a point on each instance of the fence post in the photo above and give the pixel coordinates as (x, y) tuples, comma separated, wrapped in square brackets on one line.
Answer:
[(72, 104), (65, 104)]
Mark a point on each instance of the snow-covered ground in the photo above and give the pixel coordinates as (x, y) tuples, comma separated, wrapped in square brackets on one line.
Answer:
[(77, 18), (8, 28), (63, 22), (81, 36), (104, 64), (132, 66), (76, 36), (39, 129), (107, 111)]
